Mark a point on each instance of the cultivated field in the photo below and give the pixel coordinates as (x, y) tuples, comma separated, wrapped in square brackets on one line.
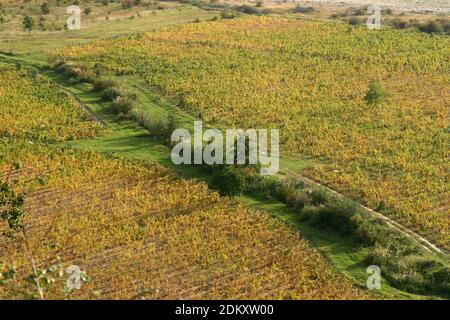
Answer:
[(85, 123), (137, 230), (309, 79)]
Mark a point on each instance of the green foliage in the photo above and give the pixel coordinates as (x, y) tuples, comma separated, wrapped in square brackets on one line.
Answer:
[(375, 93), (300, 9), (75, 71), (101, 84), (407, 270), (229, 181), (159, 128), (354, 21), (340, 216), (45, 8), (127, 4), (319, 197), (226, 14), (7, 272), (431, 27), (248, 9), (11, 211), (123, 105), (28, 23), (111, 93)]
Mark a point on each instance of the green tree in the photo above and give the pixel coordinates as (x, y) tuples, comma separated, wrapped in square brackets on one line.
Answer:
[(28, 24), (375, 93)]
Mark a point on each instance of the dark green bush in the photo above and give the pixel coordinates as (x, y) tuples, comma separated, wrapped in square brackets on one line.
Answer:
[(159, 128), (371, 232), (338, 216), (229, 181)]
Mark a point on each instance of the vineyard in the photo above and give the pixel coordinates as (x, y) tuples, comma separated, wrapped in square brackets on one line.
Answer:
[(309, 79), (137, 230), (32, 109)]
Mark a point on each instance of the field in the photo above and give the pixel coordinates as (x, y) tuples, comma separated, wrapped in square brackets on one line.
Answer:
[(102, 193), (310, 79), (136, 229)]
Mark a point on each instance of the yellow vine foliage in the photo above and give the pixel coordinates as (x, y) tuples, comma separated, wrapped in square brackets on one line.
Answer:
[(141, 233), (309, 79), (136, 229), (32, 108)]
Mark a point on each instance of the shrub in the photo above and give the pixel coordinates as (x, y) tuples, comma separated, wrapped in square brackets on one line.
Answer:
[(411, 272), (256, 183), (298, 199), (227, 15), (158, 128), (171, 124), (123, 106), (400, 24), (229, 181), (300, 9), (111, 93), (102, 84), (248, 9), (354, 21), (339, 216), (359, 12), (370, 233), (319, 197), (74, 71), (375, 93), (45, 8), (127, 4), (309, 213), (431, 27)]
